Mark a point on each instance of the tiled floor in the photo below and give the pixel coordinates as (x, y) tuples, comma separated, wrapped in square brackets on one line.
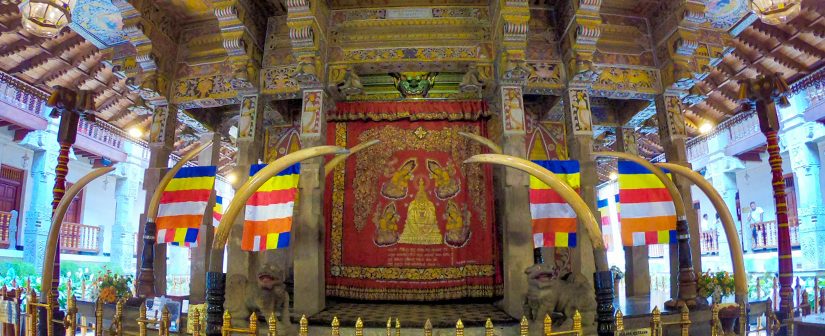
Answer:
[(441, 315)]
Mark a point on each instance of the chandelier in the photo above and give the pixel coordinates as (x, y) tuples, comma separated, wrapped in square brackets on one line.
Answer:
[(45, 18), (775, 12)]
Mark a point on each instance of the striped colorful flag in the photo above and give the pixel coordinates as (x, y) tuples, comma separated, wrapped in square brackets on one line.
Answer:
[(268, 220), (217, 211), (648, 215), (554, 221), (183, 203)]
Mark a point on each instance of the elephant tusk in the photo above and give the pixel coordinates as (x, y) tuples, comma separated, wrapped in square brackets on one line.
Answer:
[(570, 196), (57, 223), (255, 182), (496, 149), (738, 260), (338, 159), (669, 185), (154, 202)]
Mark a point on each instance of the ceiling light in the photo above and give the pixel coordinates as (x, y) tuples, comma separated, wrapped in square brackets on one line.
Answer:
[(45, 18), (135, 132), (705, 128), (775, 12), (232, 178)]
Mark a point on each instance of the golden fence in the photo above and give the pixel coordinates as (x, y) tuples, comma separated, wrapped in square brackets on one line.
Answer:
[(766, 324)]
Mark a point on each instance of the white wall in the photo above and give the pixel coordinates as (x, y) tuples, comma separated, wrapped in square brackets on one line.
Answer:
[(14, 155)]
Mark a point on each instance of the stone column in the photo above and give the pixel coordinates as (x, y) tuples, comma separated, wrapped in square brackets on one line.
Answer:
[(725, 184), (579, 127), (39, 214), (201, 254), (161, 144), (637, 262), (513, 203), (806, 166), (126, 222), (670, 115), (308, 242)]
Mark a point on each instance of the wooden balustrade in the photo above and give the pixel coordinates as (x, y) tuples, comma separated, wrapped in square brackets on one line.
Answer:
[(5, 229), (763, 235), (709, 242), (76, 238)]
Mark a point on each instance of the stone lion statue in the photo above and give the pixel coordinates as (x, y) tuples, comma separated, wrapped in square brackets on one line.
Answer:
[(565, 294), (264, 295)]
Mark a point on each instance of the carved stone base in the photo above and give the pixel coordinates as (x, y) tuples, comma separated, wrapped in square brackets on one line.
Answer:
[(215, 290), (605, 318)]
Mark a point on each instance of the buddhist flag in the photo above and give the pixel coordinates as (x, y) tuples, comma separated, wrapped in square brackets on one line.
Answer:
[(217, 211), (268, 213), (554, 221), (648, 215), (183, 204)]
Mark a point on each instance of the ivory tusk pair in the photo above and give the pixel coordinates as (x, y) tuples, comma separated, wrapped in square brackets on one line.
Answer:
[(496, 149), (338, 159), (57, 223), (255, 182), (738, 260)]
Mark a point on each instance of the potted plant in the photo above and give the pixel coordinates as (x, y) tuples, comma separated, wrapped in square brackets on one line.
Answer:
[(110, 287), (717, 285)]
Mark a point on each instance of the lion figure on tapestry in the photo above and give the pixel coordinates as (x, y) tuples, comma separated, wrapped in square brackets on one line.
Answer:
[(264, 295), (547, 294)]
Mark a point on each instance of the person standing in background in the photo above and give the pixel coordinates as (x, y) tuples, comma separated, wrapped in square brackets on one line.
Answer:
[(757, 215)]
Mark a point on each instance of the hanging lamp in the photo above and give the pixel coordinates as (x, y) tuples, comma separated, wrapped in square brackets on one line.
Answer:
[(45, 18), (775, 12)]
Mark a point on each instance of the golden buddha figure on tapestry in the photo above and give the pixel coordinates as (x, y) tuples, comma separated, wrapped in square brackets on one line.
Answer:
[(386, 233), (421, 227)]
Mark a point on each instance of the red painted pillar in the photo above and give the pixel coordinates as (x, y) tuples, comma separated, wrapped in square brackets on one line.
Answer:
[(765, 92)]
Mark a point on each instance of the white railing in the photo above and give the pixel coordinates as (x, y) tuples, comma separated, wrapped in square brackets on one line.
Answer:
[(764, 236), (102, 132), (19, 94), (709, 241)]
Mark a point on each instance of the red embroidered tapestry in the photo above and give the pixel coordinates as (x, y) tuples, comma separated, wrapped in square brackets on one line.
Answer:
[(406, 220)]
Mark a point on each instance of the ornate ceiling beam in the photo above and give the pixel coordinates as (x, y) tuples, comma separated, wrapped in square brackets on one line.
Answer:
[(77, 65), (582, 31), (242, 27), (676, 31), (510, 20), (154, 36), (307, 22), (774, 53)]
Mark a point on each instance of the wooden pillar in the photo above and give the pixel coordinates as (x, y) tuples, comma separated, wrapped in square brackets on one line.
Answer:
[(201, 254), (636, 258), (671, 119), (513, 202), (308, 242), (579, 128), (151, 281)]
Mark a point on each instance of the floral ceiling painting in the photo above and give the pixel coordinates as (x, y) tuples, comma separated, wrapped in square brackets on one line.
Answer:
[(99, 21), (724, 14)]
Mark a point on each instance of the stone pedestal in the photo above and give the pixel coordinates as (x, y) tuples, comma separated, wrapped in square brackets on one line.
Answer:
[(804, 159), (308, 247), (39, 214), (200, 255)]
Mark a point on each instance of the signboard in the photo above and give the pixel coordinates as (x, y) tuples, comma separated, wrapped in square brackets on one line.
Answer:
[(636, 332)]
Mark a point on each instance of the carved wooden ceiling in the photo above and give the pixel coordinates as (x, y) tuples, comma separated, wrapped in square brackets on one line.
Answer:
[(68, 60), (793, 49), (79, 58)]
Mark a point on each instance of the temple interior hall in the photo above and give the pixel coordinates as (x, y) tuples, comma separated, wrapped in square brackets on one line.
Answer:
[(399, 167)]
